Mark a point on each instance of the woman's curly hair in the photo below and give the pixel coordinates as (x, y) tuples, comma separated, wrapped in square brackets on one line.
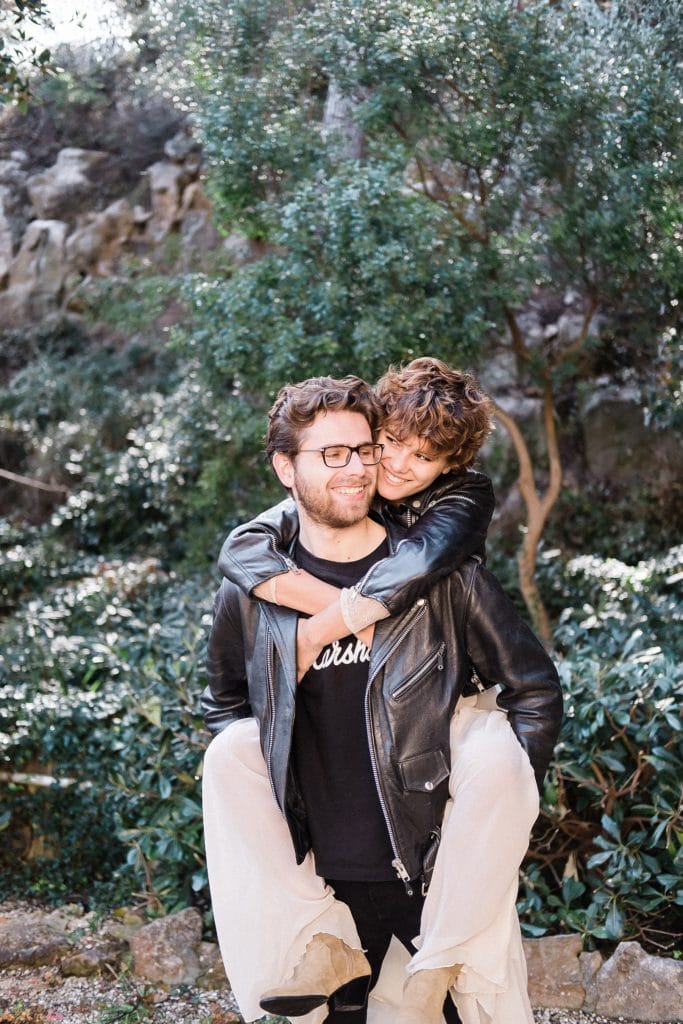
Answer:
[(446, 407)]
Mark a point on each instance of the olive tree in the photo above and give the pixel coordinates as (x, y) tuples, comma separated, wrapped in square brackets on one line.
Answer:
[(508, 152)]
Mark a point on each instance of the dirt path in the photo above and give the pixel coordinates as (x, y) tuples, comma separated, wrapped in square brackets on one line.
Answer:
[(43, 996)]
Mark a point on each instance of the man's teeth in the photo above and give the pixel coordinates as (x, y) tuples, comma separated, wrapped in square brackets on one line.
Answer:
[(350, 490)]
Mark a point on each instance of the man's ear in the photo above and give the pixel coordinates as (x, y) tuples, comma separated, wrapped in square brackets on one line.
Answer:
[(284, 467)]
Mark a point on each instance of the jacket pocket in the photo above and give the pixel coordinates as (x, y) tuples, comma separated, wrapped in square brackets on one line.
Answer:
[(435, 659), (422, 773)]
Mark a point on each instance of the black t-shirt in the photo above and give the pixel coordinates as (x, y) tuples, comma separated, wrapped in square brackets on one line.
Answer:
[(330, 748)]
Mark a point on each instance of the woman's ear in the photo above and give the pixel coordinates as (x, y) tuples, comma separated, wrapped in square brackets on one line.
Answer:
[(284, 467)]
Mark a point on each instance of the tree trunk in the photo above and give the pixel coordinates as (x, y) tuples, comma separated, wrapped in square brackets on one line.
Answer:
[(538, 508), (339, 121)]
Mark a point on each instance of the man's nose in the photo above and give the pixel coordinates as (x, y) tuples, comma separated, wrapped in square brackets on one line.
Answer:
[(356, 462)]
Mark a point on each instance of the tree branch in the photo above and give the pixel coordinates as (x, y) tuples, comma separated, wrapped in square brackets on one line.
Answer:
[(27, 481)]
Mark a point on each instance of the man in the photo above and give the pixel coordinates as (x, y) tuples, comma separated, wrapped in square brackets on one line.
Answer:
[(358, 755)]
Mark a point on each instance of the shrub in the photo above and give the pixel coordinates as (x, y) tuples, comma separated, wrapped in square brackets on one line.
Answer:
[(99, 687), (607, 855)]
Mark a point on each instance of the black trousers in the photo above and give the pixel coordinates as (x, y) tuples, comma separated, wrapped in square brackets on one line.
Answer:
[(381, 910)]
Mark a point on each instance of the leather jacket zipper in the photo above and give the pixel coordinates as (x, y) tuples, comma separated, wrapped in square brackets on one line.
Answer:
[(420, 672), (270, 688), (397, 864)]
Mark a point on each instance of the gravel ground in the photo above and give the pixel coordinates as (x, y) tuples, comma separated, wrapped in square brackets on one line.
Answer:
[(43, 996)]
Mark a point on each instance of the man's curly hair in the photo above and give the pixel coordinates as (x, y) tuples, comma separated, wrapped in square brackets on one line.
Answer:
[(297, 405), (445, 407)]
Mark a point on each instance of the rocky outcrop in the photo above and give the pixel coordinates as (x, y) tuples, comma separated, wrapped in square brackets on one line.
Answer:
[(36, 274), (618, 442), (98, 240), (62, 189), (53, 235)]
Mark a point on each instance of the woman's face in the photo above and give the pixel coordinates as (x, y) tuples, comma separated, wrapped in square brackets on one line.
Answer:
[(407, 466)]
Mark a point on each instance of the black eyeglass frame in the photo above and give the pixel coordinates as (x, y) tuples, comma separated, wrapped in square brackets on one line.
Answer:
[(350, 449)]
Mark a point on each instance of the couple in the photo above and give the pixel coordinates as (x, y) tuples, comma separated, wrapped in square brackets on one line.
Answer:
[(377, 751)]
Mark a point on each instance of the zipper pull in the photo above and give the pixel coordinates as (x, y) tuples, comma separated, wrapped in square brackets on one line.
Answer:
[(439, 663), (400, 870)]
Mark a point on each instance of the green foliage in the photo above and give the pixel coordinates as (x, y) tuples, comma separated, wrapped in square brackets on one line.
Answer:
[(503, 154), (549, 140), (19, 56), (608, 851), (616, 521), (99, 683)]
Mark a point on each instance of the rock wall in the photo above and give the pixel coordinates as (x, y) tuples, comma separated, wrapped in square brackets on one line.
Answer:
[(53, 234)]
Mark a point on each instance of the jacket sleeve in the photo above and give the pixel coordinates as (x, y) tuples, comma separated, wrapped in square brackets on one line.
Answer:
[(452, 528), (255, 551), (226, 698), (503, 650)]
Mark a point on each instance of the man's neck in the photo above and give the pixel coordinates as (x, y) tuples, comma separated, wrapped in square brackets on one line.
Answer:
[(344, 544)]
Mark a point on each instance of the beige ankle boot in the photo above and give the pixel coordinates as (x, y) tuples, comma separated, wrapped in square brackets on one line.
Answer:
[(424, 994), (328, 968)]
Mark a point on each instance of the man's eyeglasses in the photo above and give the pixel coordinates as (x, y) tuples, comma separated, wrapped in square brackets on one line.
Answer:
[(335, 456)]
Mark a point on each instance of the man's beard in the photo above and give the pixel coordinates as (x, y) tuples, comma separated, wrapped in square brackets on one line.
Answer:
[(321, 507)]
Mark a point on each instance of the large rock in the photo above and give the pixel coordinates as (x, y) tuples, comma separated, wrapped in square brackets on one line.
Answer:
[(183, 148), (555, 974), (92, 959), (636, 985), (12, 208), (6, 239), (25, 942), (619, 443), (167, 951), (37, 272), (166, 183), (59, 191), (212, 972), (96, 244)]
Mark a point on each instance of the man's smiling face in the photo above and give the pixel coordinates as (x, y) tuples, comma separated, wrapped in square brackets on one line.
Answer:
[(334, 498)]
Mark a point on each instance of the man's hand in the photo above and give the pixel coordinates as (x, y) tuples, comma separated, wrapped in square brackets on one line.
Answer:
[(307, 649)]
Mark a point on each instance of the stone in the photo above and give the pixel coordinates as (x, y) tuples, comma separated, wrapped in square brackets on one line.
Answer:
[(12, 211), (29, 943), (37, 273), (212, 972), (39, 264), (590, 964), (180, 147), (96, 244), (92, 959), (6, 239), (639, 986), (54, 191), (167, 950), (243, 250), (166, 181), (619, 443), (555, 976)]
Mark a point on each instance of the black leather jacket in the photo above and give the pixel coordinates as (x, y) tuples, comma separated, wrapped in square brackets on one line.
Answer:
[(421, 662), (448, 522)]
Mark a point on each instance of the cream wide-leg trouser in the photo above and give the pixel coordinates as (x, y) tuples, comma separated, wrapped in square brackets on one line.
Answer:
[(267, 908)]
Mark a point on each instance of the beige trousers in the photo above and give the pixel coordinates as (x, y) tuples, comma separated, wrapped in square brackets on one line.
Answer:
[(267, 908)]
